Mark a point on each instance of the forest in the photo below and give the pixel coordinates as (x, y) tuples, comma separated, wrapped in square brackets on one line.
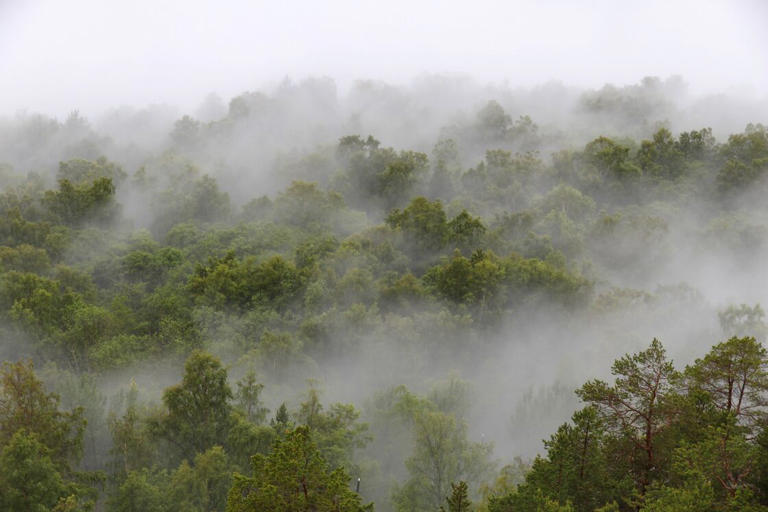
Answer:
[(441, 297)]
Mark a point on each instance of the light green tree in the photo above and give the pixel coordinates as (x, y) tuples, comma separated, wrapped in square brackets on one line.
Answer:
[(442, 454)]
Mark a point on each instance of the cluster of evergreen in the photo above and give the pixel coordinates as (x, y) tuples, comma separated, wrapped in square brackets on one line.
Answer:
[(105, 271), (659, 439)]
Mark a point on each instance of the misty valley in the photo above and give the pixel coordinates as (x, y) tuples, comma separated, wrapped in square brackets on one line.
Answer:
[(436, 297)]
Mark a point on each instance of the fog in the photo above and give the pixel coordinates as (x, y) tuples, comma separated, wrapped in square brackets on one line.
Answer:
[(204, 119), (89, 55)]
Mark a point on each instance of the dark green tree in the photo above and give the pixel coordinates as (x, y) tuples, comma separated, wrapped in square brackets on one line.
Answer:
[(293, 478), (734, 375), (423, 223), (637, 407), (473, 280), (75, 204), (611, 159), (458, 501), (198, 413), (25, 405), (79, 170), (142, 490), (379, 175), (29, 479)]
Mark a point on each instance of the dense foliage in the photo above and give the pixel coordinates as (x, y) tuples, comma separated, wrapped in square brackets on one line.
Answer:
[(110, 272), (659, 438)]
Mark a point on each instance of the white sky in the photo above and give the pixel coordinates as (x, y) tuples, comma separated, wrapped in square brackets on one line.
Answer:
[(57, 55)]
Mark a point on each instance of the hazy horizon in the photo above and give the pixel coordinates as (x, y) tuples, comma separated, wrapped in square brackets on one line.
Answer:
[(90, 56)]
